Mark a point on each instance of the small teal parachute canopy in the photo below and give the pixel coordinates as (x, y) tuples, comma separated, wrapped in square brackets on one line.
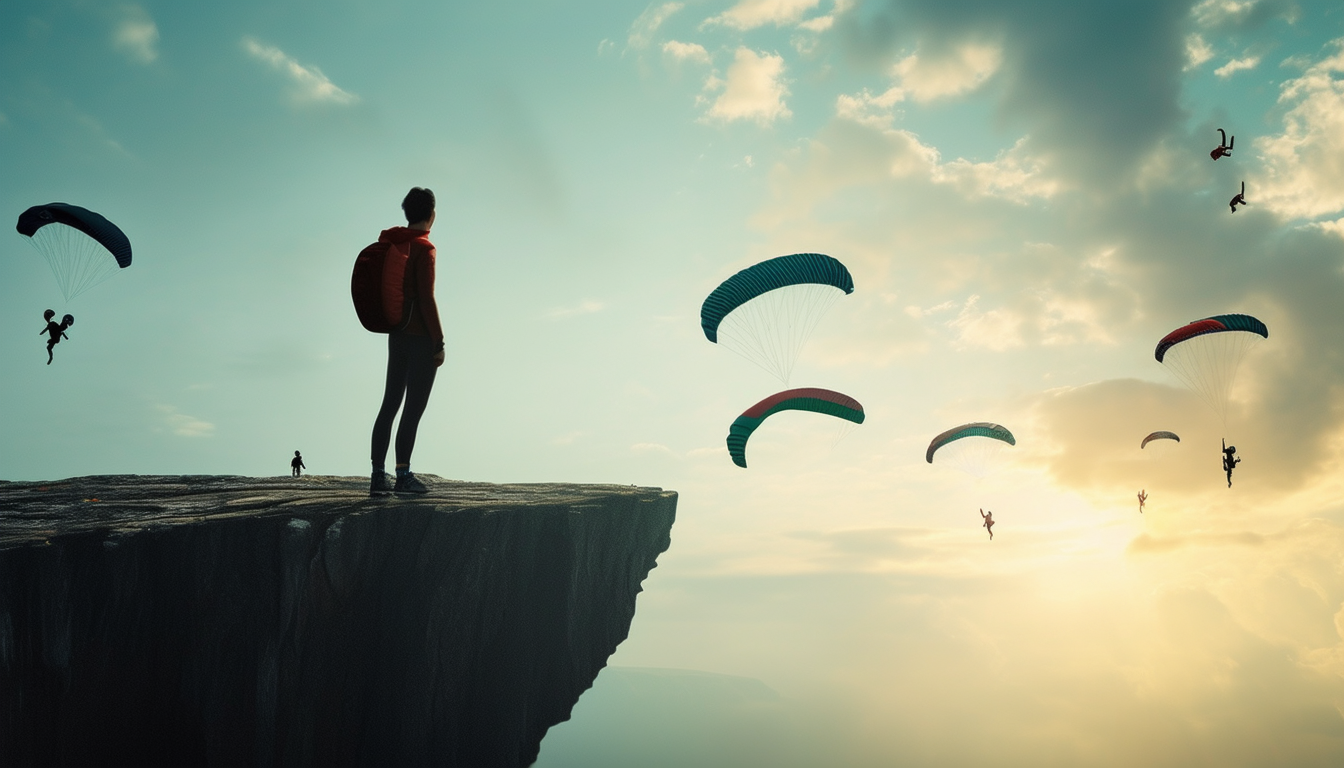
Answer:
[(976, 429), (797, 269), (812, 399)]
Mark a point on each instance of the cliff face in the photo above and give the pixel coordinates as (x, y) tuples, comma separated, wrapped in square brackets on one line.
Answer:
[(250, 621)]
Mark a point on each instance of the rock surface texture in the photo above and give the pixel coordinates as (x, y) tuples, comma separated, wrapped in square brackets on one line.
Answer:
[(212, 620)]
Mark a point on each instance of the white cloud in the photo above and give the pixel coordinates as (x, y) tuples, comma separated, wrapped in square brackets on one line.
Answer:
[(310, 85), (1236, 65), (1013, 175), (644, 27), (994, 329), (750, 14), (183, 425), (585, 307), (753, 90), (1211, 12), (686, 51), (136, 34), (1197, 51), (923, 79), (1304, 165)]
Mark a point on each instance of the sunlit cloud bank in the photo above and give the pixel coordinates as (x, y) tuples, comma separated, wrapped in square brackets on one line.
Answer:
[(1304, 164)]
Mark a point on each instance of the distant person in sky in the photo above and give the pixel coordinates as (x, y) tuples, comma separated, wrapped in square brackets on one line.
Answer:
[(56, 331), (1143, 497), (1224, 148), (989, 522), (1230, 461), (1240, 199), (414, 352), (296, 464)]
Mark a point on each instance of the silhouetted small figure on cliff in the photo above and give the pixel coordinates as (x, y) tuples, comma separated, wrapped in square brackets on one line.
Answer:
[(1143, 497), (989, 523), (1224, 148), (296, 464), (1230, 461), (1240, 199), (55, 330)]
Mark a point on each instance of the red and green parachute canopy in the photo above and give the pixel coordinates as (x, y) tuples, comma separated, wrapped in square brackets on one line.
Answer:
[(1159, 435), (975, 429), (806, 399)]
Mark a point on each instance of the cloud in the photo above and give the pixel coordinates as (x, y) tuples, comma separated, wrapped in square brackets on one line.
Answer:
[(1229, 15), (686, 51), (754, 89), (1236, 65), (750, 14), (136, 34), (585, 307), (1304, 165), (310, 86), (644, 27), (1090, 91), (183, 425), (1197, 51)]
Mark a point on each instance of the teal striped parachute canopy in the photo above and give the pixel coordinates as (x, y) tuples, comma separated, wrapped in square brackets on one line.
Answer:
[(766, 311)]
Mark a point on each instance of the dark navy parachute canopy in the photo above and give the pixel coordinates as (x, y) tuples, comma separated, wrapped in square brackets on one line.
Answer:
[(773, 273), (106, 233)]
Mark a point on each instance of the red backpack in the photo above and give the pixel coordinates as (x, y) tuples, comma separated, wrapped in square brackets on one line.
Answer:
[(379, 287)]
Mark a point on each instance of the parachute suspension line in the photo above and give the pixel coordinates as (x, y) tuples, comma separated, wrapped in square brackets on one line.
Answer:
[(771, 329), (1208, 365), (77, 261)]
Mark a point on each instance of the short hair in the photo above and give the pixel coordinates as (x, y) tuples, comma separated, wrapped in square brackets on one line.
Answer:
[(418, 205)]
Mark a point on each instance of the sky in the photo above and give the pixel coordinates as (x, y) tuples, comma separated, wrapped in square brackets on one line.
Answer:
[(1023, 194)]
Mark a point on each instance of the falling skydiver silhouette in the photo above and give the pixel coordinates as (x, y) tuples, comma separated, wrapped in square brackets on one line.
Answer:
[(989, 523), (56, 331), (1143, 497), (1230, 461), (1240, 199), (1224, 148)]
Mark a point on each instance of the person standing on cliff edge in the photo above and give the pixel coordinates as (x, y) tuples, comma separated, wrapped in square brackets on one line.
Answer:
[(414, 352)]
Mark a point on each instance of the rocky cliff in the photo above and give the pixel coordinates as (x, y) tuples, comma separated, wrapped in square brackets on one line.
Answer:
[(297, 621)]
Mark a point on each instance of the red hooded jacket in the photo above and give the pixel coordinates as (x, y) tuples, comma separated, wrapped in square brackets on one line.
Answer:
[(424, 320)]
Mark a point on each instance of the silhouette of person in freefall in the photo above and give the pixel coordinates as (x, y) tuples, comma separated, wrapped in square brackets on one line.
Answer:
[(1224, 148), (989, 523), (56, 331), (1143, 496), (1230, 461), (296, 464), (1240, 199)]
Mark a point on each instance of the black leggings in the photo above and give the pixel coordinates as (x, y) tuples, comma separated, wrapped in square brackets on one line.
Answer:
[(410, 372)]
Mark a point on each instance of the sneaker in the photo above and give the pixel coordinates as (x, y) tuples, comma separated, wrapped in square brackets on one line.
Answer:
[(409, 483), (380, 484)]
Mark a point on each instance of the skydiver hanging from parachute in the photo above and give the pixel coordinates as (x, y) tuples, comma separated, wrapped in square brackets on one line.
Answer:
[(1240, 199), (989, 522), (82, 248), (1143, 497), (1224, 148), (1230, 461), (56, 331)]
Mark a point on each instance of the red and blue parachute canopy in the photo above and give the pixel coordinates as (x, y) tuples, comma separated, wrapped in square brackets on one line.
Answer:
[(1215, 324)]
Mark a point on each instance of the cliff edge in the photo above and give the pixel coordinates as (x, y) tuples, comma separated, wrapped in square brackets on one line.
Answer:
[(211, 620)]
